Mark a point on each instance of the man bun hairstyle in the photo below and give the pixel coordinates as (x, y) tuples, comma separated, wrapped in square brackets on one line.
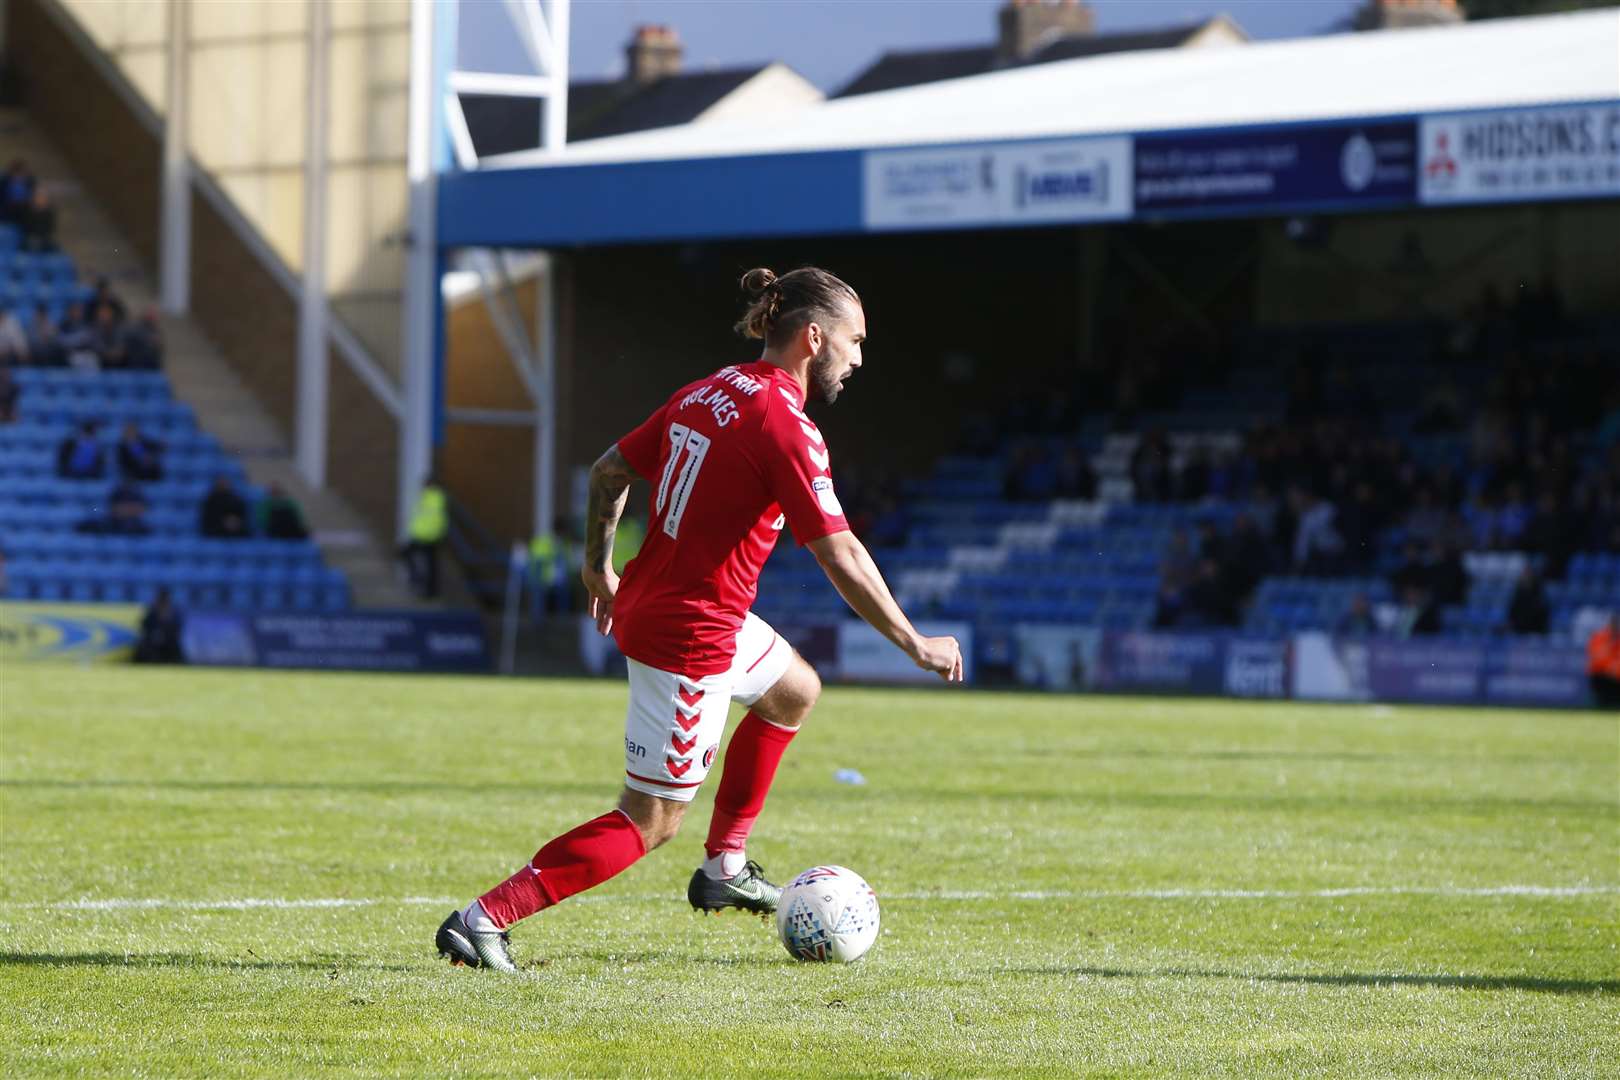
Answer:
[(779, 307)]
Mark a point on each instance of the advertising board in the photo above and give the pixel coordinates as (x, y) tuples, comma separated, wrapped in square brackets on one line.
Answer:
[(1564, 152), (1326, 165)]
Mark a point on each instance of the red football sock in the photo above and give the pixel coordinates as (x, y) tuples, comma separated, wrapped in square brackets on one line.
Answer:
[(577, 860), (755, 750)]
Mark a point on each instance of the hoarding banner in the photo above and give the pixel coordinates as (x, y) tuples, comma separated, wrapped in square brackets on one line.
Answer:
[(1328, 668), (1286, 168), (1190, 663), (347, 641), (1056, 657), (1028, 183), (864, 655), (840, 651), (1564, 152), (77, 633), (1536, 674), (1544, 674), (1257, 668)]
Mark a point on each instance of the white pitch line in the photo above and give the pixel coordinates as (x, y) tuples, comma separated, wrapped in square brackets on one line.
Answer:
[(273, 903)]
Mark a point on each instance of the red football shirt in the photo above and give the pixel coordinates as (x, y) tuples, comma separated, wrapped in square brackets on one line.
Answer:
[(731, 458)]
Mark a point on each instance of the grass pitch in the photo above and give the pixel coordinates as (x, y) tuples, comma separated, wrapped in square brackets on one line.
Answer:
[(231, 873)]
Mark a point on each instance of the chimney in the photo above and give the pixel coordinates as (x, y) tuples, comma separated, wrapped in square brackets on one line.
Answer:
[(1405, 14), (1027, 26), (652, 54)]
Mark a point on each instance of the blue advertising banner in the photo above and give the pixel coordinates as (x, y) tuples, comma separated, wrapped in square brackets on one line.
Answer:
[(1415, 669), (1301, 168), (350, 641), (1257, 667), (1535, 674), (1188, 663)]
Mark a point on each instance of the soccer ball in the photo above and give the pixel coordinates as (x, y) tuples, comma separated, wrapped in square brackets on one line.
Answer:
[(828, 913)]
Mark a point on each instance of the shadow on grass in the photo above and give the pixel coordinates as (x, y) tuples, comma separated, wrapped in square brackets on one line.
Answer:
[(332, 968), (1444, 982), (378, 787), (1145, 800)]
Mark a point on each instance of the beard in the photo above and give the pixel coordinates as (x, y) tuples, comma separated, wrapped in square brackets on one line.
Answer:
[(822, 379)]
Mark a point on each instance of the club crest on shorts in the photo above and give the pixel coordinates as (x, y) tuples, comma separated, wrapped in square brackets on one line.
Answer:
[(708, 755)]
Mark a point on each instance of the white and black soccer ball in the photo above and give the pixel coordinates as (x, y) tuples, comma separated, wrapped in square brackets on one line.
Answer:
[(828, 913)]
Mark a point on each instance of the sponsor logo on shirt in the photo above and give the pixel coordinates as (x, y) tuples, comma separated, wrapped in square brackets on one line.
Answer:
[(823, 487)]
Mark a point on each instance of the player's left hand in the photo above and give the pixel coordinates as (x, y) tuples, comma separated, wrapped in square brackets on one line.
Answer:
[(603, 586)]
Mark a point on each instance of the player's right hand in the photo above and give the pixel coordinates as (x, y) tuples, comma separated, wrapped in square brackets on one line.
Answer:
[(602, 585), (942, 656)]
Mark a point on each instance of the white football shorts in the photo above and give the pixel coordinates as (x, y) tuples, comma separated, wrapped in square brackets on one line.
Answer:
[(673, 729)]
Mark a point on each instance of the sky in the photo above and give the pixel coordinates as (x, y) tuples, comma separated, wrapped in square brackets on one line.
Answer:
[(830, 41)]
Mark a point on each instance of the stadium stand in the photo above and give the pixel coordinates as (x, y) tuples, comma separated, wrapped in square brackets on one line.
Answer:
[(60, 537), (1307, 491)]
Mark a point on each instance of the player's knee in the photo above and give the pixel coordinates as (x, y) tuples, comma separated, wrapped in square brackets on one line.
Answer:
[(791, 699), (657, 834), (658, 820), (812, 690)]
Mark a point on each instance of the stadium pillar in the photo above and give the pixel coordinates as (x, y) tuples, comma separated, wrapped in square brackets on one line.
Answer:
[(175, 247), (426, 154), (545, 399), (556, 133), (312, 307)]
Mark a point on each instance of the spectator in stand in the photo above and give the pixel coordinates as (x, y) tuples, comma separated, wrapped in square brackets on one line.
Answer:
[(77, 339), (107, 337), (1550, 534), (143, 342), (1413, 571), (125, 516), (1208, 601), (104, 295), (1528, 612), (1150, 468), (1076, 479), (224, 514), (14, 348), (1448, 577), (1317, 546), (1512, 518), (1420, 614), (430, 524), (16, 191), (42, 339), (1248, 557), (1358, 620), (161, 629), (38, 223), (139, 457), (9, 393), (81, 456), (1179, 562), (1427, 519), (279, 516), (1603, 663), (1192, 482), (1359, 523), (551, 564), (1030, 476)]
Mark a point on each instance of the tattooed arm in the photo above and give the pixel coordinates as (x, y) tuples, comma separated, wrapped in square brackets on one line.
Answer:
[(610, 484)]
